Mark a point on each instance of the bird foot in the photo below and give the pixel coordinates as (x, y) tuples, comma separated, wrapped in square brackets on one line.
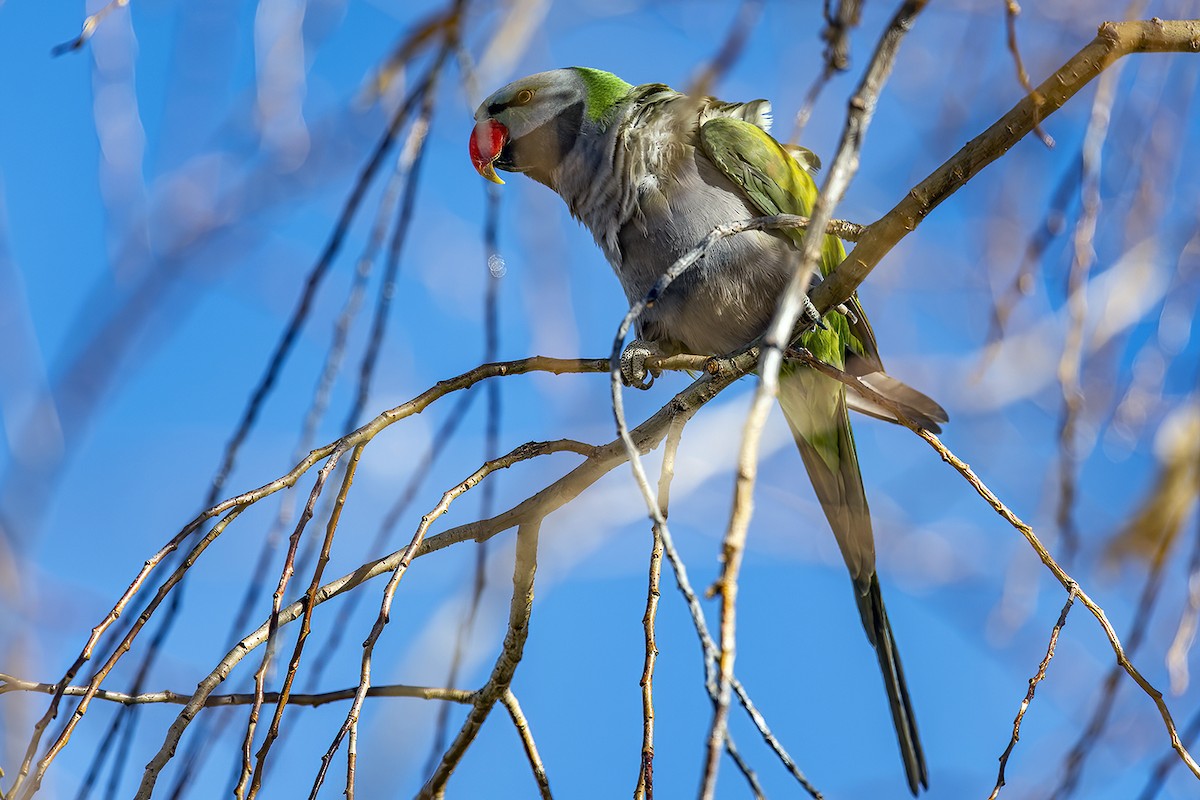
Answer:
[(810, 316), (633, 364)]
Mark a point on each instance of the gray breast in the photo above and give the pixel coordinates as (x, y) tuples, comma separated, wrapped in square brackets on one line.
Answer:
[(727, 298)]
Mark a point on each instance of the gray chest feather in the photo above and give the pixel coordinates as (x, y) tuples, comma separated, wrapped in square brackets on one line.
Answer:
[(724, 300), (649, 195)]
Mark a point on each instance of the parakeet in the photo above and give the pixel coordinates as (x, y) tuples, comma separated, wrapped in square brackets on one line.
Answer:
[(650, 172)]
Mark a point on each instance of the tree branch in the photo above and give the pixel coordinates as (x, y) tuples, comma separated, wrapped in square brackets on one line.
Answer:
[(1113, 41)]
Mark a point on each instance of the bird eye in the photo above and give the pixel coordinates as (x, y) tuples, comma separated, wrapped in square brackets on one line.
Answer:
[(523, 97)]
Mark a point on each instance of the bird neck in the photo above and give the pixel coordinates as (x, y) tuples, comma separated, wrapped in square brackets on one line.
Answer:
[(600, 178)]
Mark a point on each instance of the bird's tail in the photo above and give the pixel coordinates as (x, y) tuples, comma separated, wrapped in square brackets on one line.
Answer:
[(879, 630), (816, 410)]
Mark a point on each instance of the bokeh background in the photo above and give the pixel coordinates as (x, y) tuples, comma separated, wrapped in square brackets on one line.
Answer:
[(166, 190)]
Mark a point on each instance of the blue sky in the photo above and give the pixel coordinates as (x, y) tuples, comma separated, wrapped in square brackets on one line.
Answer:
[(157, 221)]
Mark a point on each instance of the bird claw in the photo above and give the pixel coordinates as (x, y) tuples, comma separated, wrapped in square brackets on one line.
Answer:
[(810, 316), (809, 313), (633, 364)]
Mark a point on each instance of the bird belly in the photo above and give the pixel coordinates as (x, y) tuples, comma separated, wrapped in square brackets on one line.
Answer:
[(724, 300)]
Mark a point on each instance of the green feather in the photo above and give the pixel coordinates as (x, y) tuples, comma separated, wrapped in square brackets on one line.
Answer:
[(604, 90), (779, 184)]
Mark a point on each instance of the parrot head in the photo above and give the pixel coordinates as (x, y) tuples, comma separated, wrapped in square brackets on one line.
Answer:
[(532, 123)]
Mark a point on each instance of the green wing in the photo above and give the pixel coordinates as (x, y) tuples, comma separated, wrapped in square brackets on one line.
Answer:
[(777, 183)]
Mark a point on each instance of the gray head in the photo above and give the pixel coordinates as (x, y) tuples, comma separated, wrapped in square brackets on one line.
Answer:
[(531, 124)]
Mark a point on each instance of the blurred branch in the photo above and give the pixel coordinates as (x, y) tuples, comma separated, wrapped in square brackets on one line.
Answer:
[(1169, 761), (441, 25), (90, 24), (1083, 256), (1185, 633), (1051, 227), (836, 35), (740, 29), (491, 447)]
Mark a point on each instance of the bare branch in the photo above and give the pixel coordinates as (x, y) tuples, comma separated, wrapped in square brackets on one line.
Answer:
[(522, 453), (1061, 575), (645, 783), (1033, 682), (531, 752), (778, 334), (506, 663), (1114, 40), (8, 683), (1011, 12)]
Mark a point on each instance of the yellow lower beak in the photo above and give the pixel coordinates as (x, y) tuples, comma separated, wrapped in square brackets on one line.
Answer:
[(489, 172)]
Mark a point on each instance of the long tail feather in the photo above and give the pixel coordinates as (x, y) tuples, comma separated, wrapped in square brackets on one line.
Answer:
[(816, 410), (875, 615)]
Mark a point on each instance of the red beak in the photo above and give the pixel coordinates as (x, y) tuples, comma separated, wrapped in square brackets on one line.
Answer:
[(487, 140)]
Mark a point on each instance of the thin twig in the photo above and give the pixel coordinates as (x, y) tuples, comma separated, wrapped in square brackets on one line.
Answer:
[(520, 609), (1138, 627), (1043, 554), (523, 453), (1033, 682), (645, 782), (8, 683), (531, 752), (744, 768), (1011, 12), (778, 334), (260, 675), (1113, 41)]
